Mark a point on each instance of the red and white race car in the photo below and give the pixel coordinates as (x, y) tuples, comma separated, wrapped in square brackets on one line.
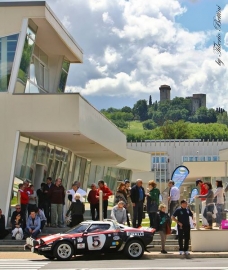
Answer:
[(93, 236)]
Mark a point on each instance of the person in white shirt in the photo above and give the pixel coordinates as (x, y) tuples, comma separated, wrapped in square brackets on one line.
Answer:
[(174, 197), (76, 189), (219, 199)]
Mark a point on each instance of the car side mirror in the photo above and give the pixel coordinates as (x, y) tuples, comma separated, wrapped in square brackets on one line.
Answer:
[(85, 232)]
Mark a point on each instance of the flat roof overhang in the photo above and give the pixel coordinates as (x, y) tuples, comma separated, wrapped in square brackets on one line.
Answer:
[(66, 120), (52, 36), (80, 145), (202, 169)]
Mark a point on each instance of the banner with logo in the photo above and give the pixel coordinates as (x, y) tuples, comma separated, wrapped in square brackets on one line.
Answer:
[(179, 174), (194, 192)]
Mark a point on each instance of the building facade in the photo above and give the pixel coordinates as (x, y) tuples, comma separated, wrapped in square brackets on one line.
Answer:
[(206, 160), (45, 131)]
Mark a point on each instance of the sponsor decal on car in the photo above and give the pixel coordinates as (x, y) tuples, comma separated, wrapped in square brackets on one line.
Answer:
[(116, 238), (113, 247), (81, 246), (115, 243), (79, 239), (135, 233)]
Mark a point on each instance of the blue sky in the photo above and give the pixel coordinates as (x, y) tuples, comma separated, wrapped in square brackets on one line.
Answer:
[(132, 47), (199, 15)]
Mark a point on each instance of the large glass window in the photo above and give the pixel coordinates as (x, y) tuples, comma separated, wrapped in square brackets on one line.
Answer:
[(63, 77), (38, 72), (33, 71), (23, 72), (8, 46), (31, 159)]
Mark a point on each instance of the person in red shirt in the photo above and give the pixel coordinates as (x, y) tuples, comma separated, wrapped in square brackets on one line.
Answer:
[(27, 187), (203, 191), (24, 199), (94, 202), (106, 193)]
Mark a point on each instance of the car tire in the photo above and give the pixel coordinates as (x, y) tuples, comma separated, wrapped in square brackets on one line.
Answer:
[(49, 257), (134, 249), (63, 251)]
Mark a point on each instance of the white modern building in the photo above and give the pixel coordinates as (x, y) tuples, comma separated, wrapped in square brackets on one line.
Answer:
[(206, 160), (44, 131)]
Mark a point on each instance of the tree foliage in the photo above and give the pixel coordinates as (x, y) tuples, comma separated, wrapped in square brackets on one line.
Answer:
[(140, 110), (149, 125)]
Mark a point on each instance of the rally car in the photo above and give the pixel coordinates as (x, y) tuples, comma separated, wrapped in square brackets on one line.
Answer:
[(93, 236)]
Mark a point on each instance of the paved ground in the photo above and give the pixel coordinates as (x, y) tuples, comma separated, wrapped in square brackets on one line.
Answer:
[(151, 255)]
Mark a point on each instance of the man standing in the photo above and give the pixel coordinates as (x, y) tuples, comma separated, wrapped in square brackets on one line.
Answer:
[(203, 191), (174, 197), (57, 196), (73, 191), (94, 202), (24, 199), (106, 193), (181, 217), (81, 191), (47, 205), (137, 198)]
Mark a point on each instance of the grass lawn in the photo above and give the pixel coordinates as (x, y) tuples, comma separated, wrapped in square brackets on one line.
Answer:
[(134, 127), (146, 223)]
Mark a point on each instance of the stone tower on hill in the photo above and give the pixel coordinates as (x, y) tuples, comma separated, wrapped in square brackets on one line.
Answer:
[(164, 92)]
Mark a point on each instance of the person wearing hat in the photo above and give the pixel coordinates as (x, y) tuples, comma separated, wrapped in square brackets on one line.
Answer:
[(202, 191), (181, 217)]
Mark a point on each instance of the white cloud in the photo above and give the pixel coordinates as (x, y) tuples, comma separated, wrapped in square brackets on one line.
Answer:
[(66, 22), (226, 40), (224, 15), (106, 18), (132, 47)]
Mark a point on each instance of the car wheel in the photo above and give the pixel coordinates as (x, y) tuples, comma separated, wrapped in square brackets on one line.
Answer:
[(49, 257), (63, 251), (134, 249)]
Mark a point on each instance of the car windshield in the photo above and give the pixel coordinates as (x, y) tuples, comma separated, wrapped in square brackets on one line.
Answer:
[(79, 228), (98, 228)]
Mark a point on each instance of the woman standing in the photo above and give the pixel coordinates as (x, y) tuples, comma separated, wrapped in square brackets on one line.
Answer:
[(219, 201), (129, 202), (152, 202), (162, 222), (77, 210), (121, 195), (209, 204)]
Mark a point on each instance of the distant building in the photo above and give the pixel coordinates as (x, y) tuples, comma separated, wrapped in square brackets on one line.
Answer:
[(198, 100), (164, 92)]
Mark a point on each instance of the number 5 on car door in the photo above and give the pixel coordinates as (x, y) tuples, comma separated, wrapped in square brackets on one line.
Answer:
[(96, 242)]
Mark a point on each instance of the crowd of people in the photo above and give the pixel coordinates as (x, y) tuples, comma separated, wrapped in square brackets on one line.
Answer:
[(46, 207)]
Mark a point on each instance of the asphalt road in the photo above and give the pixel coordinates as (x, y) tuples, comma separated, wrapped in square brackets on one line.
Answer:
[(117, 263)]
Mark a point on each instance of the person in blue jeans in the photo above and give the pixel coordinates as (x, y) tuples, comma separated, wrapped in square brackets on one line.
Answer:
[(33, 225)]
